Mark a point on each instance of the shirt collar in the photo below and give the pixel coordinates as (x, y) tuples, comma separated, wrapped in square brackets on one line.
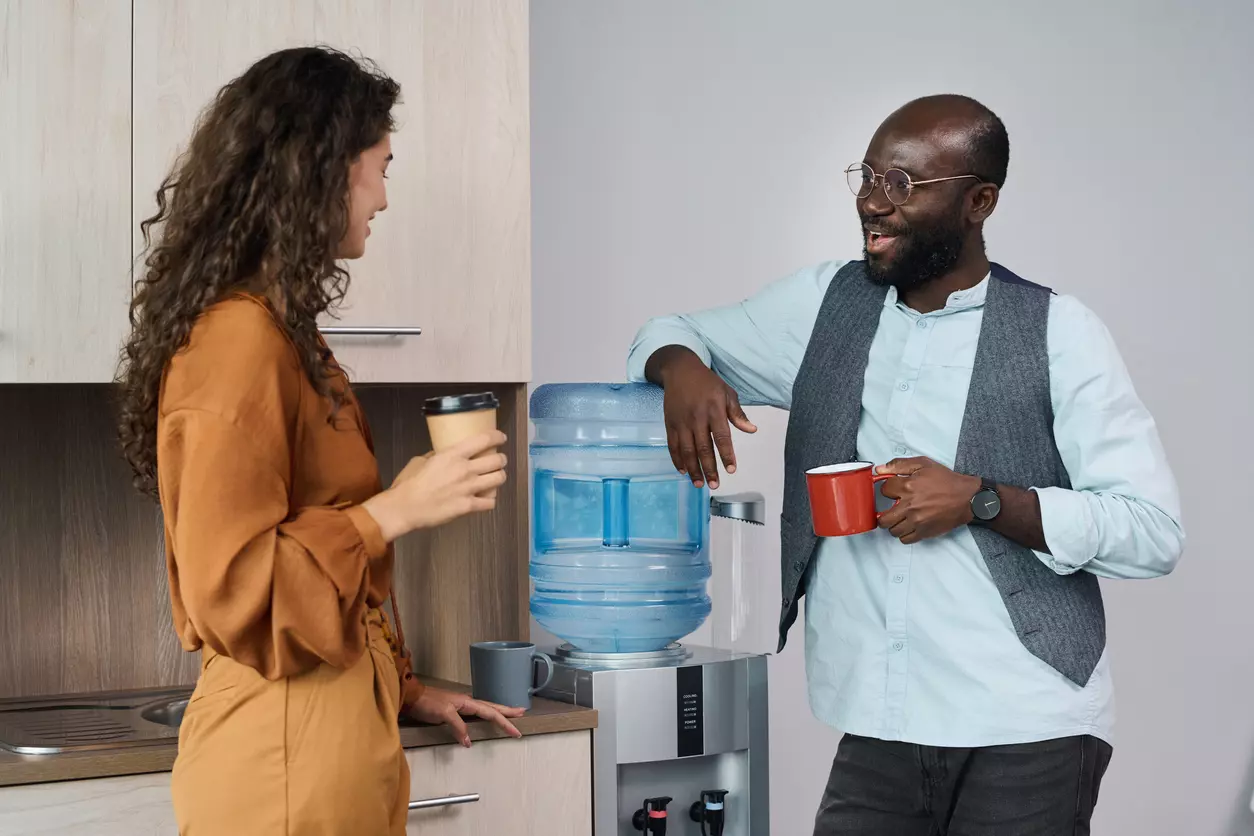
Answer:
[(972, 297)]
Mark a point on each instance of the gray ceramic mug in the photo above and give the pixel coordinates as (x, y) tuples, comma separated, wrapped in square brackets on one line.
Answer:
[(504, 672)]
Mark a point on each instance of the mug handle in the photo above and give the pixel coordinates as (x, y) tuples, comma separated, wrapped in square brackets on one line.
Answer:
[(539, 654), (880, 477)]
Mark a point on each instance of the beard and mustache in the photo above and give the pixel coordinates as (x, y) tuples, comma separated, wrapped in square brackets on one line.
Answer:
[(920, 255)]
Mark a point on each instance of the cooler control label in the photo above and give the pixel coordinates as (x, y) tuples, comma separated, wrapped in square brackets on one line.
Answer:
[(690, 704)]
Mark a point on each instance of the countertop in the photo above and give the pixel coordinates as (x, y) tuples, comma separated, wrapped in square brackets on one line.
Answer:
[(545, 717)]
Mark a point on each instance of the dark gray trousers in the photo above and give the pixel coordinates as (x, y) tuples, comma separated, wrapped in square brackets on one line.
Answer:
[(885, 788)]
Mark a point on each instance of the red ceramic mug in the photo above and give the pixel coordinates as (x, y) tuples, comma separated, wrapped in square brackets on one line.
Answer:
[(842, 498)]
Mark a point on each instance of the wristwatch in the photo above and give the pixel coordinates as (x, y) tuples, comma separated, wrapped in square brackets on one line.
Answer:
[(986, 504)]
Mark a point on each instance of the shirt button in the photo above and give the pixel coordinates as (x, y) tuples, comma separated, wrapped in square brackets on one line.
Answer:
[(922, 323), (904, 387), (798, 565), (898, 645), (898, 578), (899, 450)]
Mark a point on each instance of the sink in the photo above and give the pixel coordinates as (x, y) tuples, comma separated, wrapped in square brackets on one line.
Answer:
[(166, 712), (114, 720)]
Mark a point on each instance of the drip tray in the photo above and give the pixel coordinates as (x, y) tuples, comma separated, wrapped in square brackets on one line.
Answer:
[(103, 721)]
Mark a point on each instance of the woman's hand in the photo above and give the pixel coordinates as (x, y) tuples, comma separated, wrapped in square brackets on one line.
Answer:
[(440, 487), (411, 468), (448, 707)]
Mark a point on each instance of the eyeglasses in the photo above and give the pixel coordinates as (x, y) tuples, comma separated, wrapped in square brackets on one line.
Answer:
[(897, 184)]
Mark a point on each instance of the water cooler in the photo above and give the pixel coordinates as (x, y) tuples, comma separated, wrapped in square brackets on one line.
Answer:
[(620, 562)]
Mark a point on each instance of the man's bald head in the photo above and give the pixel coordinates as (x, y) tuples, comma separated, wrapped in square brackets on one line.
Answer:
[(964, 123)]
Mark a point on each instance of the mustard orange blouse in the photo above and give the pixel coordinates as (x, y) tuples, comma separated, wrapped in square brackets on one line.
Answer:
[(272, 561)]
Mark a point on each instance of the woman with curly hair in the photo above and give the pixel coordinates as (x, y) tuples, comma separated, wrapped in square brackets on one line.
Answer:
[(236, 417)]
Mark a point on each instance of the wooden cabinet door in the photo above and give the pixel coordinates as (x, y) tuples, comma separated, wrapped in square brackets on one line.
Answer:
[(65, 132), (537, 786), (451, 255), (135, 805)]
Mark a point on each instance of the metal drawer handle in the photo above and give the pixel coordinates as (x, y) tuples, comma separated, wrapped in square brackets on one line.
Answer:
[(447, 801), (371, 331)]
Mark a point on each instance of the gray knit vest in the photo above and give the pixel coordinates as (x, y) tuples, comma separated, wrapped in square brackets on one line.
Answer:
[(1007, 436)]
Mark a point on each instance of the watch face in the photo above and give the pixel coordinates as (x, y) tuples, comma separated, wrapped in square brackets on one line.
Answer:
[(986, 505)]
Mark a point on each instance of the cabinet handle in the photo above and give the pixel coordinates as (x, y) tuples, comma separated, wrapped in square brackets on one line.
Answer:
[(446, 801), (371, 331)]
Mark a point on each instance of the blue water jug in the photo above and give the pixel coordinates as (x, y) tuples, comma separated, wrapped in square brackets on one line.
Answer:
[(619, 539)]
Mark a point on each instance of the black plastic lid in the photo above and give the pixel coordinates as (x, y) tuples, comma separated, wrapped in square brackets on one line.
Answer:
[(453, 404)]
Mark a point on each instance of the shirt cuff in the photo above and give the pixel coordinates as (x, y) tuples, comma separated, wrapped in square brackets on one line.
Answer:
[(368, 529), (1069, 529), (658, 338)]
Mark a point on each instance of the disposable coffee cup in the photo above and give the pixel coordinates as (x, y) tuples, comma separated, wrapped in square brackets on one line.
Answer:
[(454, 418)]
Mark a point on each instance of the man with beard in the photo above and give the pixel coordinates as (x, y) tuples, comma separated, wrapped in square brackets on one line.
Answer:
[(961, 647)]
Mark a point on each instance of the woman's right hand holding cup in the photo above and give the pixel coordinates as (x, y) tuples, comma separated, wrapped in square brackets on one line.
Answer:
[(440, 487)]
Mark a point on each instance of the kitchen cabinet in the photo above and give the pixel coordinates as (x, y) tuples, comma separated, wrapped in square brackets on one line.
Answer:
[(101, 96), (451, 255), (539, 786), (134, 805), (65, 202)]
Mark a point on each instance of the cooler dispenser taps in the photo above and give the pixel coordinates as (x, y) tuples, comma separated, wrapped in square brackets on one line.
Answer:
[(709, 811), (651, 819)]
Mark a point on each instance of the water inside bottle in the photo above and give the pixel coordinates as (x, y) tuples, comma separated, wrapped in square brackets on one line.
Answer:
[(619, 564), (579, 511), (619, 551)]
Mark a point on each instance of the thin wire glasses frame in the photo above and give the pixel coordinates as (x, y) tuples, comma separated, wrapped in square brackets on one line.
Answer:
[(903, 186)]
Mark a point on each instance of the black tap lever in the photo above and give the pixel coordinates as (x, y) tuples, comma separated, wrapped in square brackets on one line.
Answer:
[(651, 818), (709, 811)]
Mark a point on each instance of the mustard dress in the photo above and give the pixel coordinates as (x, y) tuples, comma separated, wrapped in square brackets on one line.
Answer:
[(279, 577)]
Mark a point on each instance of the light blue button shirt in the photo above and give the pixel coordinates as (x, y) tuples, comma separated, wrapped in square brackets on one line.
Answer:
[(913, 643)]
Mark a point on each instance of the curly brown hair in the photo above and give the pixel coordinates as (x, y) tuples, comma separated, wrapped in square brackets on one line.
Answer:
[(258, 202)]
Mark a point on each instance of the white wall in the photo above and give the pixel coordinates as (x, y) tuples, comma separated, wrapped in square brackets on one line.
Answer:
[(685, 153)]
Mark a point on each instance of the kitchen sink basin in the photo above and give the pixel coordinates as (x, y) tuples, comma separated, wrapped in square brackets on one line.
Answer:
[(166, 712), (104, 721), (99, 721)]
